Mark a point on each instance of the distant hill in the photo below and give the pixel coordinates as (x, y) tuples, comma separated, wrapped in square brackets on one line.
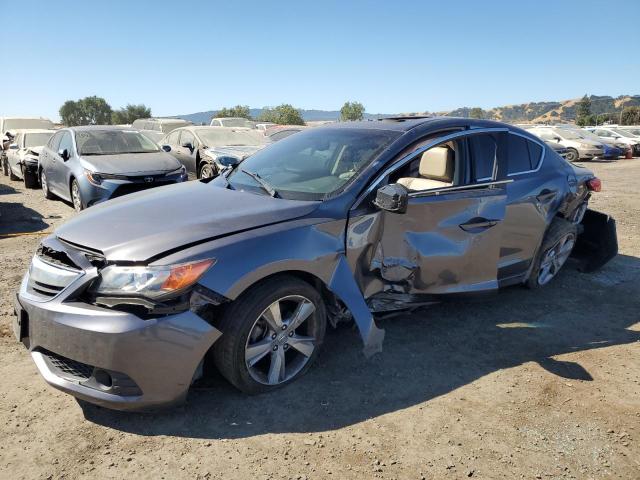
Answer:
[(534, 112), (308, 115)]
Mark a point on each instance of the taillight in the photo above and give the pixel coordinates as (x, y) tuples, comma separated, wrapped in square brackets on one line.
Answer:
[(594, 185)]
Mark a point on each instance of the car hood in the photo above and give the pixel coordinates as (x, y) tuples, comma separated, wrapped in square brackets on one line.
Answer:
[(240, 152), (35, 150), (132, 163), (146, 225)]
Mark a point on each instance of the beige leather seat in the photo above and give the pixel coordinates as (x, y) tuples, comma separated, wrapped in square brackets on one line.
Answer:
[(436, 170)]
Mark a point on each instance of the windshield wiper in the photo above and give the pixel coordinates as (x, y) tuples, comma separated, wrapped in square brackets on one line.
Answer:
[(266, 186)]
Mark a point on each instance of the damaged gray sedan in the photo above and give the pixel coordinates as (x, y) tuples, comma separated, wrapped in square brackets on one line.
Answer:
[(124, 304)]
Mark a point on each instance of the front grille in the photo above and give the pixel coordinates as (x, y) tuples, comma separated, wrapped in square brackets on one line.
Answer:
[(47, 280), (128, 188), (66, 368)]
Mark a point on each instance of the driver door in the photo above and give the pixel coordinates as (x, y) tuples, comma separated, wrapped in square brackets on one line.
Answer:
[(448, 238)]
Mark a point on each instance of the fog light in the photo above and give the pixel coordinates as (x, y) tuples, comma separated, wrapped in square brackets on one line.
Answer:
[(102, 378)]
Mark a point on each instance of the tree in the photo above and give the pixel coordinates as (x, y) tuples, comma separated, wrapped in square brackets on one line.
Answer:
[(476, 112), (630, 116), (352, 111), (128, 114), (86, 111), (583, 111), (241, 111), (283, 114)]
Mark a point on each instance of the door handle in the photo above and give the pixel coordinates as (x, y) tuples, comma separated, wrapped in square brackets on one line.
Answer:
[(476, 225), (546, 195)]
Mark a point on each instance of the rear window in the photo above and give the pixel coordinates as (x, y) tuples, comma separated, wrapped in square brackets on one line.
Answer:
[(524, 155)]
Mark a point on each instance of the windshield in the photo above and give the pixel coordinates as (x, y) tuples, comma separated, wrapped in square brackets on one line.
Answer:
[(218, 137), (590, 136), (633, 131), (169, 127), (25, 123), (622, 132), (312, 164), (36, 139), (113, 142), (568, 134), (237, 122)]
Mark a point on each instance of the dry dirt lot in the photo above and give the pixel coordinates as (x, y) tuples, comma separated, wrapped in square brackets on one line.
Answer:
[(527, 384)]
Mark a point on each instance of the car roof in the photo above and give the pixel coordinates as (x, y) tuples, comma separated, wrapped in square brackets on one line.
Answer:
[(164, 120), (34, 130), (88, 128), (404, 124)]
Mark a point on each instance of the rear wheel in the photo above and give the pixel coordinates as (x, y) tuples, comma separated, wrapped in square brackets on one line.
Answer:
[(12, 176), (572, 155), (556, 247), (76, 197), (271, 335), (45, 186), (5, 166)]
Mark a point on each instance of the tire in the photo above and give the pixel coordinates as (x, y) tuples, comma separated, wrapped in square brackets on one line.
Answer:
[(557, 245), (45, 186), (248, 338), (207, 170), (12, 176), (76, 196), (572, 155), (30, 179), (5, 166)]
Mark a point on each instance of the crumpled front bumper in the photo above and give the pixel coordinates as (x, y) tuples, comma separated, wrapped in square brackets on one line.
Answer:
[(76, 346)]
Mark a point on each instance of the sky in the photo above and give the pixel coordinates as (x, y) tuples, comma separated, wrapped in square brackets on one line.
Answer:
[(180, 57)]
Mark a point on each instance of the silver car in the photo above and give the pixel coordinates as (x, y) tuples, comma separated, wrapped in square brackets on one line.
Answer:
[(206, 151), (577, 146), (88, 165), (156, 128)]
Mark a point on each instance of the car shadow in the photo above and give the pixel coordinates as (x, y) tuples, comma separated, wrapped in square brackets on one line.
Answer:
[(15, 218), (426, 354)]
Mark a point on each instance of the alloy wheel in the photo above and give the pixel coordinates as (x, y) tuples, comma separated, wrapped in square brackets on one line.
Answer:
[(572, 155), (281, 340), (555, 258), (206, 171), (75, 196)]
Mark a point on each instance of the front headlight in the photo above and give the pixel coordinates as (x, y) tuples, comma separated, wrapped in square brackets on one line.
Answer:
[(182, 171), (150, 282)]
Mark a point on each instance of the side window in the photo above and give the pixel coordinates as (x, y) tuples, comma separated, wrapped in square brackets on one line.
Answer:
[(55, 141), (483, 150), (172, 139), (65, 143), (187, 137), (603, 133), (18, 140), (523, 155), (216, 123)]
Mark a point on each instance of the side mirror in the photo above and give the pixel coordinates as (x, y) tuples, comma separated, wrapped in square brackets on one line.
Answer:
[(166, 148), (189, 146), (392, 198), (13, 146), (64, 154), (557, 139), (229, 162)]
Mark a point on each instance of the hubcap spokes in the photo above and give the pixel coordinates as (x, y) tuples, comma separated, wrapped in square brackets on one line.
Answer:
[(76, 197), (555, 258), (275, 351)]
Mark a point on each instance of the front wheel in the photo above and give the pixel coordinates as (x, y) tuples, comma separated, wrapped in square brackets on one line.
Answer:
[(12, 176), (207, 170), (572, 155), (76, 197), (5, 167), (556, 247), (45, 186), (271, 335)]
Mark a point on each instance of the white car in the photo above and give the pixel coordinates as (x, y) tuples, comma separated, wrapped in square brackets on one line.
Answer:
[(24, 153), (7, 127), (232, 122), (620, 135), (577, 146)]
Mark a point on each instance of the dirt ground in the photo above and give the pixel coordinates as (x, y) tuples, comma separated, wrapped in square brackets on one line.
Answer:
[(526, 384)]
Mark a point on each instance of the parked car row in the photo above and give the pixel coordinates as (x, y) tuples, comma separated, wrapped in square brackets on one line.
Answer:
[(589, 143), (124, 305)]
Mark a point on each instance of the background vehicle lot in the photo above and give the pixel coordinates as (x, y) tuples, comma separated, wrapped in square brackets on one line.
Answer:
[(536, 383)]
